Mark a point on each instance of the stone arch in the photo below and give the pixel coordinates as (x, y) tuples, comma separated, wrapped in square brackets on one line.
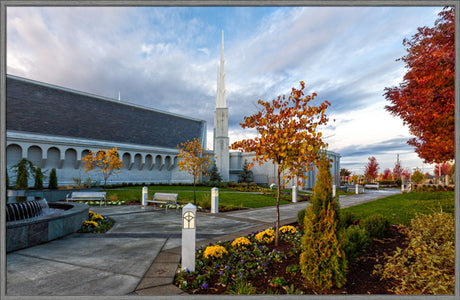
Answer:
[(138, 164), (149, 161), (53, 158), (13, 154), (168, 162), (127, 163), (159, 162), (70, 159), (35, 155)]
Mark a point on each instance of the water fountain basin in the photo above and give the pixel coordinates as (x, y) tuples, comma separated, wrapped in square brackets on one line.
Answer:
[(33, 231)]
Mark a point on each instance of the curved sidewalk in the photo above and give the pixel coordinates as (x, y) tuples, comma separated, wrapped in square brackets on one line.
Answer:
[(139, 255)]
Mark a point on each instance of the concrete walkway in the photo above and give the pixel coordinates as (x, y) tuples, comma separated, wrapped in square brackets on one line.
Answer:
[(139, 255)]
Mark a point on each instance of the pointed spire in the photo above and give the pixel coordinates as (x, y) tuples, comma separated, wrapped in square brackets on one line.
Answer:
[(220, 99)]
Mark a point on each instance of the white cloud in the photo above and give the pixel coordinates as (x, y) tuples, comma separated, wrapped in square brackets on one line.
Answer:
[(167, 58)]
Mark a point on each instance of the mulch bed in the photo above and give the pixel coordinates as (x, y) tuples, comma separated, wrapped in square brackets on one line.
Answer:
[(360, 277)]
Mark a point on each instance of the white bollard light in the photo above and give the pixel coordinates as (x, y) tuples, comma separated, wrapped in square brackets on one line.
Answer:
[(145, 192), (334, 190), (357, 189), (188, 237), (294, 194), (214, 200)]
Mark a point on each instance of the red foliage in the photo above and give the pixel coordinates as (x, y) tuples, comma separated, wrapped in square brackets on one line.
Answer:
[(446, 169), (372, 168), (425, 100), (387, 174)]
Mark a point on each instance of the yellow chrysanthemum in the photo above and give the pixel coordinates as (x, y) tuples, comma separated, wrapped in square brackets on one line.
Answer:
[(288, 228), (266, 236), (214, 252), (90, 224), (97, 218), (241, 243)]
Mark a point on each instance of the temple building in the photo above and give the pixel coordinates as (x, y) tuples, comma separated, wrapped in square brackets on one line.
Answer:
[(55, 127)]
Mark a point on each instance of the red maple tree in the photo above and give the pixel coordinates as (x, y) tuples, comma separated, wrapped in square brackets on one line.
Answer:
[(371, 171), (425, 100)]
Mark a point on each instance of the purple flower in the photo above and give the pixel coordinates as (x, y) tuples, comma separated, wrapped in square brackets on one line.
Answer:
[(220, 273), (204, 285), (188, 272), (227, 267), (260, 247), (242, 262)]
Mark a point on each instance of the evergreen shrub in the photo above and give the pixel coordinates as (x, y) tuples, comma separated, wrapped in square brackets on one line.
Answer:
[(38, 179), (322, 261), (53, 182), (346, 218), (376, 225), (356, 242)]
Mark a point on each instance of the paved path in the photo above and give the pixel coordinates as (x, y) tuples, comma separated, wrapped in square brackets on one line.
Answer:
[(139, 255)]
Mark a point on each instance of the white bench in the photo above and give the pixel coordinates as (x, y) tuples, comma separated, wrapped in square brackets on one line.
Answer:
[(372, 186), (88, 196), (162, 198)]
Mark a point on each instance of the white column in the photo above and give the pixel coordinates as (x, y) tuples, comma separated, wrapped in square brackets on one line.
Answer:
[(188, 237), (145, 192), (214, 200), (294, 194)]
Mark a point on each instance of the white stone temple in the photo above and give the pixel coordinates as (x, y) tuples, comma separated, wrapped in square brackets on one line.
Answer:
[(54, 127)]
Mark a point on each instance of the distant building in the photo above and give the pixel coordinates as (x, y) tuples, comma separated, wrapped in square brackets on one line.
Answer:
[(54, 127)]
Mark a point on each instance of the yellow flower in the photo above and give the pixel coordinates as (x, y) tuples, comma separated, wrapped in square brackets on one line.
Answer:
[(288, 228), (266, 236), (214, 252), (97, 217), (90, 224), (241, 243)]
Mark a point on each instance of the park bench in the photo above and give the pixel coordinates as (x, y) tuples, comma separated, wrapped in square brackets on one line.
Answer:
[(87, 196), (163, 198), (372, 186)]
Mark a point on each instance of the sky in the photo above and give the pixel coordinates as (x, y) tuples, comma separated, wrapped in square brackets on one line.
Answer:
[(167, 58)]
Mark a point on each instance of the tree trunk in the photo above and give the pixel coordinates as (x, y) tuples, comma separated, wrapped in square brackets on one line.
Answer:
[(194, 193), (277, 223)]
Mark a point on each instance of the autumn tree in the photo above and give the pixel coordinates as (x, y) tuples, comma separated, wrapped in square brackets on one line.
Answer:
[(195, 160), (425, 100), (108, 162), (371, 170), (387, 175), (443, 169), (288, 136), (398, 170), (417, 177)]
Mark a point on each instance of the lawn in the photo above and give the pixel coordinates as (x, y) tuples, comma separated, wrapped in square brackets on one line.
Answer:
[(401, 208), (203, 194)]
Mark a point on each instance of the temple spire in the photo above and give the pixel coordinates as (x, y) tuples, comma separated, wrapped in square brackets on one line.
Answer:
[(220, 99)]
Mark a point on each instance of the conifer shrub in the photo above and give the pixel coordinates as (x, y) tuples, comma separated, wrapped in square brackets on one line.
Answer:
[(301, 216), (38, 179), (356, 242), (346, 218), (53, 182), (376, 225), (24, 168), (322, 260), (427, 265)]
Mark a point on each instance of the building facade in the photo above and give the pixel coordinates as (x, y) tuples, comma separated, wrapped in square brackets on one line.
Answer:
[(55, 127)]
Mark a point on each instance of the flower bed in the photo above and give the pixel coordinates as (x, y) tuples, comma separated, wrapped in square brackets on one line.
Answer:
[(228, 267), (96, 223)]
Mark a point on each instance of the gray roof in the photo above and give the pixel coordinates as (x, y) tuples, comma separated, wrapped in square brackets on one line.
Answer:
[(36, 107)]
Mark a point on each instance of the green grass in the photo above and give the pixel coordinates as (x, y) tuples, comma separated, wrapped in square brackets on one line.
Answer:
[(203, 194), (401, 208)]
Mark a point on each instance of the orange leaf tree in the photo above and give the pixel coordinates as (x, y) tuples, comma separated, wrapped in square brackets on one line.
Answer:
[(108, 161), (287, 135), (425, 100), (195, 160)]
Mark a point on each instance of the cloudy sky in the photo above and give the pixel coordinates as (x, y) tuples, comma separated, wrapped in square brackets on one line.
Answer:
[(167, 58)]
